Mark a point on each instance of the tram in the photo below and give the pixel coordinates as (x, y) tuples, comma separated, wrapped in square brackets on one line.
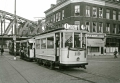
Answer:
[(27, 49), (11, 47), (62, 48)]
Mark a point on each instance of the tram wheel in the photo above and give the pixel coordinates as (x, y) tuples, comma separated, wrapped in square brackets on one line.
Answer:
[(85, 67), (51, 65), (40, 62)]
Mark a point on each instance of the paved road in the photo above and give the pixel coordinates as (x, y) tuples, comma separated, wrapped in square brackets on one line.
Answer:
[(100, 70)]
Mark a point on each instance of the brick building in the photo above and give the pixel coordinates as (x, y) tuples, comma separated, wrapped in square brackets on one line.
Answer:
[(100, 17)]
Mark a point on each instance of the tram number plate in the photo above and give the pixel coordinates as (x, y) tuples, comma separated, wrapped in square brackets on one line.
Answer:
[(77, 53)]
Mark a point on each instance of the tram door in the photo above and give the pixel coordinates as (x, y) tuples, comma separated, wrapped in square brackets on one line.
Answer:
[(57, 46)]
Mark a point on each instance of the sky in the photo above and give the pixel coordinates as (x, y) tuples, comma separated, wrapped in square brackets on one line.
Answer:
[(29, 9)]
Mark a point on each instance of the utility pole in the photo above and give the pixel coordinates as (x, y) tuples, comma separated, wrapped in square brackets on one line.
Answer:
[(14, 35), (2, 34)]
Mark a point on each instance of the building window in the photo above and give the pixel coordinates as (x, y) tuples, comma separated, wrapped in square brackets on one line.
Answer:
[(62, 14), (94, 27), (114, 28), (78, 24), (88, 11), (119, 28), (108, 28), (100, 12), (87, 24), (54, 18), (114, 15), (119, 15), (77, 10), (100, 27), (58, 16), (51, 18), (107, 14), (94, 12)]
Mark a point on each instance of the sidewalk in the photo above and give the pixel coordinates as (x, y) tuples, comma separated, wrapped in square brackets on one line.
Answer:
[(8, 73)]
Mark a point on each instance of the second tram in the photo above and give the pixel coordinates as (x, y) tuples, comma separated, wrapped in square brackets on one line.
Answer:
[(27, 49), (62, 48), (11, 47)]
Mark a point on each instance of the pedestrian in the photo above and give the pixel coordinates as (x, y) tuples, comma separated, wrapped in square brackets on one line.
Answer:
[(2, 50), (115, 53)]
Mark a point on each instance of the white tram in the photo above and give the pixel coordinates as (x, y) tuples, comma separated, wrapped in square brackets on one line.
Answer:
[(27, 49), (61, 48)]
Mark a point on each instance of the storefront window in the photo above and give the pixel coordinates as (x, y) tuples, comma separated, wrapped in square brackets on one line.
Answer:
[(94, 49)]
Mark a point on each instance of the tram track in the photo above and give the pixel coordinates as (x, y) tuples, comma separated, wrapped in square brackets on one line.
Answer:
[(76, 77), (85, 79)]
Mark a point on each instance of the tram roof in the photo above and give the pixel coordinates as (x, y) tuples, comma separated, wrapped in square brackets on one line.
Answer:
[(58, 29)]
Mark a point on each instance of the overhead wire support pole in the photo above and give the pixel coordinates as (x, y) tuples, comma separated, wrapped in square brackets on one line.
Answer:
[(14, 35), (2, 34)]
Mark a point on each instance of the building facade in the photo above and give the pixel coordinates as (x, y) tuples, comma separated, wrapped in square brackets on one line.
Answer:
[(101, 18)]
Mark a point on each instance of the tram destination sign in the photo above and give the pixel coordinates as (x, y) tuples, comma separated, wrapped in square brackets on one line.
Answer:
[(72, 27)]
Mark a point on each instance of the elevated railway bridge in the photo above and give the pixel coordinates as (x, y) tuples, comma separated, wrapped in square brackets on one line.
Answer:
[(24, 27)]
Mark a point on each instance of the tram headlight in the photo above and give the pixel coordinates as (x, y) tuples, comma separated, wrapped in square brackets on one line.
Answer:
[(78, 59)]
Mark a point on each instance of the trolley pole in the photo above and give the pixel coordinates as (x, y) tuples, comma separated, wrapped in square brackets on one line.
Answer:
[(14, 35)]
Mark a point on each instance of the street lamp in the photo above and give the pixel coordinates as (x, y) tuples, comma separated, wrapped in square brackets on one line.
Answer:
[(14, 35)]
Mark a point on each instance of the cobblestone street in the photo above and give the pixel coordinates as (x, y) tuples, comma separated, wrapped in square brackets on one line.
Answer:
[(101, 69)]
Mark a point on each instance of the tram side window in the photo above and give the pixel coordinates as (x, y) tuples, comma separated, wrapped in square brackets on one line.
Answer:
[(68, 39), (50, 42), (43, 43), (38, 44)]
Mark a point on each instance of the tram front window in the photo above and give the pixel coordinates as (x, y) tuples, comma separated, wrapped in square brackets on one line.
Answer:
[(30, 45), (68, 39), (77, 42)]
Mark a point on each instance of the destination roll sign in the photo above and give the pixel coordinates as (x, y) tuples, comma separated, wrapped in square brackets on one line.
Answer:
[(73, 27)]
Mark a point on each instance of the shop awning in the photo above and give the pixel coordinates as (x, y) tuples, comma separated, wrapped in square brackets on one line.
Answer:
[(96, 42)]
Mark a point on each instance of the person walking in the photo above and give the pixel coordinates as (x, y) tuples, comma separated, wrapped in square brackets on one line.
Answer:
[(2, 50), (115, 53)]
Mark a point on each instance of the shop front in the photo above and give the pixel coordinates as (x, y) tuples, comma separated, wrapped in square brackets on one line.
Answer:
[(96, 44), (112, 43)]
